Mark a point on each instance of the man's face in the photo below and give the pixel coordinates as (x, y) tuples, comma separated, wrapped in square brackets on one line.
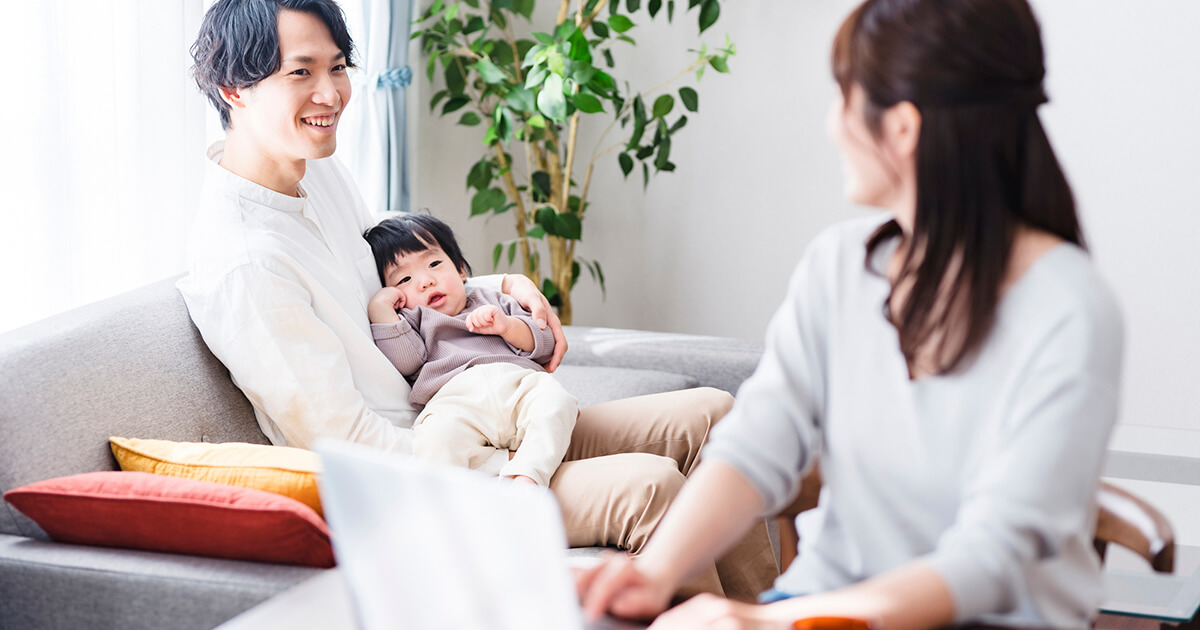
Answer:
[(428, 278), (293, 114)]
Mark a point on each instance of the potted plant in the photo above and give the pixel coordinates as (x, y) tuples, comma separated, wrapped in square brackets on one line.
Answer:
[(534, 92)]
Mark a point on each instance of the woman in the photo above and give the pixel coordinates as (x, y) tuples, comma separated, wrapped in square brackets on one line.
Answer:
[(955, 364)]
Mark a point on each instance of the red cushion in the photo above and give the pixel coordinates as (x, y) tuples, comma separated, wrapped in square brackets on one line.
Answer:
[(137, 510)]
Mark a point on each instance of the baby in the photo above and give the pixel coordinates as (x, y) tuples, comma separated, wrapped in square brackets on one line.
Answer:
[(471, 357)]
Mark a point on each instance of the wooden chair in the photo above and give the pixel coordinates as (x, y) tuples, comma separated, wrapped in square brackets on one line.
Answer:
[(1124, 519)]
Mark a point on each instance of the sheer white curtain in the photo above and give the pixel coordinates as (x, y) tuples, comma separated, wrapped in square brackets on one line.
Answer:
[(103, 153), (373, 132)]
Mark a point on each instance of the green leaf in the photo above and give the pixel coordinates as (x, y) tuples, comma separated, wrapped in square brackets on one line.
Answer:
[(485, 201), (670, 10), (581, 72), (455, 81), (521, 99), (433, 9), (481, 175), (474, 25), (551, 292), (600, 29), (437, 97), (678, 124), (608, 58), (536, 76), (620, 23), (645, 176), (491, 136), (550, 100), (690, 99), (633, 5), (541, 184), (455, 103), (544, 38), (574, 273), (664, 153), (627, 39), (555, 61), (512, 252), (469, 119), (587, 103), (489, 72), (654, 7), (496, 255), (626, 163), (565, 225), (474, 4), (536, 231), (524, 7), (536, 121), (451, 12), (718, 64), (663, 105), (579, 51), (709, 12), (645, 152), (600, 277)]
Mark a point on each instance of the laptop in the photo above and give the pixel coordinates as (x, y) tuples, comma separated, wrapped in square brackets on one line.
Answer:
[(428, 546)]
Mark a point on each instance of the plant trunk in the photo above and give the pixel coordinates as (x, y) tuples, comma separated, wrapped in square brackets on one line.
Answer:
[(561, 272)]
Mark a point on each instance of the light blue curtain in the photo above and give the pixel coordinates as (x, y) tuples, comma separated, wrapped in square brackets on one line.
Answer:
[(376, 135)]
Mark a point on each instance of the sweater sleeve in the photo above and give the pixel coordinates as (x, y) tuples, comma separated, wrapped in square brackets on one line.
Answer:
[(1035, 489), (401, 343), (771, 434), (543, 340)]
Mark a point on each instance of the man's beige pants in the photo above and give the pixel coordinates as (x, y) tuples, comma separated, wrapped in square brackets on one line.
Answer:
[(626, 462)]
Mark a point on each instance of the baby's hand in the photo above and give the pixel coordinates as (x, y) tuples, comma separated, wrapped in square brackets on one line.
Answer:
[(487, 320), (384, 304)]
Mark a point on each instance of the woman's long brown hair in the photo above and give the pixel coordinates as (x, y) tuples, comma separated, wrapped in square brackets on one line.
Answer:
[(974, 70)]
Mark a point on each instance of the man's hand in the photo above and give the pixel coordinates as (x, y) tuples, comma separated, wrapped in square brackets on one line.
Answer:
[(488, 320), (384, 304), (526, 293)]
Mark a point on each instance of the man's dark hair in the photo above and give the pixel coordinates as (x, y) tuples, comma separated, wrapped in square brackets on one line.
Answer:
[(238, 44), (411, 233)]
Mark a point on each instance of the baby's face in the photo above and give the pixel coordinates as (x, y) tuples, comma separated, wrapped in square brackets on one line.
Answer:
[(428, 278)]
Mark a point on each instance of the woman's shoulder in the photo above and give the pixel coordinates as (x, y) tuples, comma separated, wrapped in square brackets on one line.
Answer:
[(1063, 285)]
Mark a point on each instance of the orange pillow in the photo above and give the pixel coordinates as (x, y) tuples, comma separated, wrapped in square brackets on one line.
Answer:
[(136, 510)]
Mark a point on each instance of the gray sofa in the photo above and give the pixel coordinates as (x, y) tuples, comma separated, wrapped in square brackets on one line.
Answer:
[(135, 366)]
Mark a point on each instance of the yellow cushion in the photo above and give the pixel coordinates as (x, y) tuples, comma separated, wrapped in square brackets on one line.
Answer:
[(291, 472)]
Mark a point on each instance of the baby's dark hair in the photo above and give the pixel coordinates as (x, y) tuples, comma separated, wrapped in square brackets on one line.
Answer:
[(408, 233)]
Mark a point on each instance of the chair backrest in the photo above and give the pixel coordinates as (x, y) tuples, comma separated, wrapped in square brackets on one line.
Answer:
[(1129, 521), (1124, 519)]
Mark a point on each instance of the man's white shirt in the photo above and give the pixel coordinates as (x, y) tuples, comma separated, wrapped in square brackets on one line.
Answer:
[(278, 287)]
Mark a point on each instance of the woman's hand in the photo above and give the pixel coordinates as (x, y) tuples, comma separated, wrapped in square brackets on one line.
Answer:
[(618, 586), (712, 612), (526, 293)]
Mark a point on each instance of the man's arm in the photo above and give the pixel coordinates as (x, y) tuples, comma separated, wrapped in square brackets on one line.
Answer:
[(291, 366)]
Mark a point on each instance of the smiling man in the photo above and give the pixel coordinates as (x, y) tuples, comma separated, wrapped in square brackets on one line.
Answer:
[(279, 279)]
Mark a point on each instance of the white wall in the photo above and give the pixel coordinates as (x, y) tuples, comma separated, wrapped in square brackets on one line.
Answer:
[(708, 249)]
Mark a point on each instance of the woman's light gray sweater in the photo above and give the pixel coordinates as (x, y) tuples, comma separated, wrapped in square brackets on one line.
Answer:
[(987, 475)]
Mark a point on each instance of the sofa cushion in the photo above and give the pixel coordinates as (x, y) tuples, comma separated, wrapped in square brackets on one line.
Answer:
[(137, 510), (291, 472), (593, 385), (130, 365)]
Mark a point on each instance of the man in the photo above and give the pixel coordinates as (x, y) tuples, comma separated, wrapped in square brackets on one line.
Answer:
[(280, 277)]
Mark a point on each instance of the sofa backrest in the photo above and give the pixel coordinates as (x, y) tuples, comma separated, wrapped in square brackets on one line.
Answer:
[(131, 366)]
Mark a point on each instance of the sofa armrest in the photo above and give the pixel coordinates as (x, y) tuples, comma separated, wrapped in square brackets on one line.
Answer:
[(718, 362)]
